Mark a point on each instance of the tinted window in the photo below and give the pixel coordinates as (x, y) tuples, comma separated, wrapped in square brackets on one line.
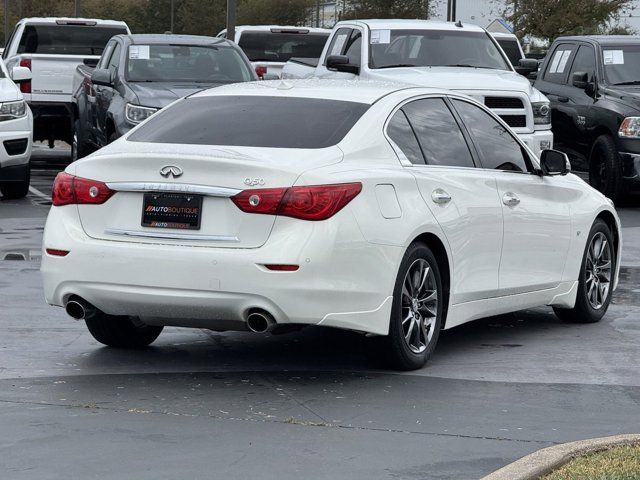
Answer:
[(186, 63), (402, 135), (438, 132), (558, 65), (280, 47), (354, 48), (339, 42), (434, 48), (252, 121), (585, 61), (497, 148), (66, 39), (511, 49), (622, 64)]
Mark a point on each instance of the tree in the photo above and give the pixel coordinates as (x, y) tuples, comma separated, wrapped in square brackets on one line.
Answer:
[(388, 9), (275, 12), (549, 19)]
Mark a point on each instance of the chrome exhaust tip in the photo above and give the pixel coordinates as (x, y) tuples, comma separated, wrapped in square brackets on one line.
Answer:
[(78, 309), (260, 322)]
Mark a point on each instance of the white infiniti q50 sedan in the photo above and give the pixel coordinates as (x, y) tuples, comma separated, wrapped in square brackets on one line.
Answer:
[(385, 209)]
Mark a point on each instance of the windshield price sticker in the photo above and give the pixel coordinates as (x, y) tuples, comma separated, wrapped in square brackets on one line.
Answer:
[(613, 57), (379, 37), (139, 52), (341, 39)]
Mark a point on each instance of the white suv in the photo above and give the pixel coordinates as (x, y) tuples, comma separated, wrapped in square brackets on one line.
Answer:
[(16, 133)]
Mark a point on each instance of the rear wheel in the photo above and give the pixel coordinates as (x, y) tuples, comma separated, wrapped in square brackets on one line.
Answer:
[(17, 189), (416, 313), (78, 146), (596, 277), (605, 168), (120, 332)]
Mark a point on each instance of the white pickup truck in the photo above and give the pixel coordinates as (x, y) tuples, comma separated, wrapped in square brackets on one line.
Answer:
[(458, 57), (52, 48)]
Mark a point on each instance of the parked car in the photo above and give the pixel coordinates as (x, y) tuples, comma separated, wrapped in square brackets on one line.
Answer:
[(510, 44), (464, 58), (139, 74), (52, 48), (356, 217), (16, 133), (269, 47), (593, 83)]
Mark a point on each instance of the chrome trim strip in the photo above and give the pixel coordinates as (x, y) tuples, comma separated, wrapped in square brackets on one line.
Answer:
[(171, 235), (173, 187)]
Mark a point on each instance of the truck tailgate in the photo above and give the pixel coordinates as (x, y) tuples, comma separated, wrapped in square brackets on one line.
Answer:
[(53, 74)]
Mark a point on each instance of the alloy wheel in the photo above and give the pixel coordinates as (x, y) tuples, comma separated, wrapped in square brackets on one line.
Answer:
[(419, 305), (598, 271)]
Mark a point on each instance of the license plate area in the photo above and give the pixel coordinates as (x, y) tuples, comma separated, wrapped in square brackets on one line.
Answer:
[(172, 210)]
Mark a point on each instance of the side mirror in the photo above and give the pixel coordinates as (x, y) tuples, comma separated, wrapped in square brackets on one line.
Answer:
[(527, 66), (553, 162), (580, 80), (340, 63), (102, 76), (20, 74)]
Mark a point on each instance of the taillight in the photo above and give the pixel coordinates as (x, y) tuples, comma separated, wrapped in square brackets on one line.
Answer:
[(25, 87), (68, 190), (261, 71), (317, 202)]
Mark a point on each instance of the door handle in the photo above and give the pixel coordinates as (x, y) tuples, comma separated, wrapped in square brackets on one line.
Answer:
[(563, 99), (440, 197), (510, 199)]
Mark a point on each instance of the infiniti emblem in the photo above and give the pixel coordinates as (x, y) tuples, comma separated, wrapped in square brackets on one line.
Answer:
[(171, 170)]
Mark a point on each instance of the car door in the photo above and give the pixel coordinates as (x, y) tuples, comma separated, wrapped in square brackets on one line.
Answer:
[(577, 109), (462, 198), (104, 95), (536, 209), (554, 85)]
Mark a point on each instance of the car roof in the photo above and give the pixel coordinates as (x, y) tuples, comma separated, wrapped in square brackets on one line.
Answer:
[(393, 24), (71, 20), (267, 28), (604, 39), (361, 91), (163, 39)]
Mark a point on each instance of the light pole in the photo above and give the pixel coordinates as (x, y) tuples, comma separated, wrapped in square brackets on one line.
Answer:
[(173, 4), (231, 20), (6, 21), (451, 10), (77, 12)]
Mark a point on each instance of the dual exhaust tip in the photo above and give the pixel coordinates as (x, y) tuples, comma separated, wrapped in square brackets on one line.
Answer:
[(257, 321)]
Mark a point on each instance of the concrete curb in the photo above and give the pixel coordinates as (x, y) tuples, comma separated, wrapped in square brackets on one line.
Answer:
[(544, 461)]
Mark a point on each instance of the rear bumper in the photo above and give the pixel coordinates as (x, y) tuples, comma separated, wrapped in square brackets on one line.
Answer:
[(343, 281), (538, 140)]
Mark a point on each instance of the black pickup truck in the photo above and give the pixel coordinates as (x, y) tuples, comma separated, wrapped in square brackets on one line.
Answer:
[(139, 74), (593, 84)]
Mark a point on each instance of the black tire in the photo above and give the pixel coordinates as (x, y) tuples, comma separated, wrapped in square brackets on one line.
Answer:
[(78, 146), (17, 189), (393, 350), (584, 311), (120, 332), (605, 168)]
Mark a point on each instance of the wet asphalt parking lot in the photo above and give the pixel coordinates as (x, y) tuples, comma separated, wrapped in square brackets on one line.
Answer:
[(199, 404)]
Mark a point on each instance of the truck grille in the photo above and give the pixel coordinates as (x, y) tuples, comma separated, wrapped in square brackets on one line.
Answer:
[(503, 102), (515, 121)]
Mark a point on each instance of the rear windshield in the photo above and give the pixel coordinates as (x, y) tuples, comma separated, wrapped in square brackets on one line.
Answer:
[(252, 121), (186, 63), (66, 39), (280, 47), (511, 48)]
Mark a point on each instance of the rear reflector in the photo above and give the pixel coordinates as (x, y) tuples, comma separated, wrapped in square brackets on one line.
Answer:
[(57, 253), (70, 190), (282, 267), (317, 202)]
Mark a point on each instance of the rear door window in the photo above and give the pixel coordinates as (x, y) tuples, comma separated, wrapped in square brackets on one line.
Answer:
[(281, 46), (66, 39), (401, 133), (558, 64), (438, 133), (252, 121)]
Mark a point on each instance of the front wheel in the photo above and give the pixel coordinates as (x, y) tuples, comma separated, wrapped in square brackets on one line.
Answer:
[(120, 332), (597, 272), (605, 168), (416, 312)]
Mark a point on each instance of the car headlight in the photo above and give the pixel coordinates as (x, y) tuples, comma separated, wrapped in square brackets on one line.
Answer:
[(630, 128), (11, 110), (137, 113), (541, 113)]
